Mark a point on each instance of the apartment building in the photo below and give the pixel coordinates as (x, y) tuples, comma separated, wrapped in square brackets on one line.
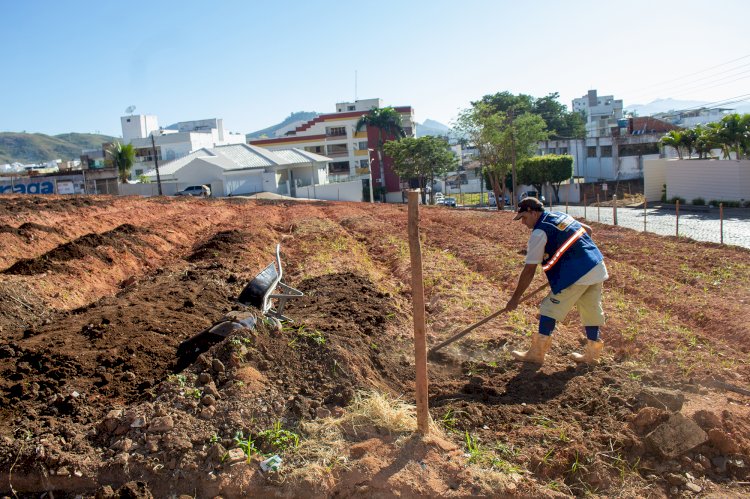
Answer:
[(353, 154), (602, 113)]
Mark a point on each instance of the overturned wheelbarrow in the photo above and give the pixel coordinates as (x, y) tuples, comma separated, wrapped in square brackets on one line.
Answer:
[(265, 289)]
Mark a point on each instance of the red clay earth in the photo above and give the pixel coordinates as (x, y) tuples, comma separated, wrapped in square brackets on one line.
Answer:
[(96, 294)]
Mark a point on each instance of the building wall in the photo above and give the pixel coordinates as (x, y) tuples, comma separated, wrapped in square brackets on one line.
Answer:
[(727, 180), (340, 191), (707, 179), (138, 126)]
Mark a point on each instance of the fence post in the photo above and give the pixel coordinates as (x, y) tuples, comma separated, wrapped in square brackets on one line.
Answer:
[(417, 295), (598, 209), (566, 205), (677, 218), (645, 207), (721, 223), (614, 207)]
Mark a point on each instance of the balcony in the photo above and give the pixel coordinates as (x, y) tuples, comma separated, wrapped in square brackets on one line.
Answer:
[(337, 151)]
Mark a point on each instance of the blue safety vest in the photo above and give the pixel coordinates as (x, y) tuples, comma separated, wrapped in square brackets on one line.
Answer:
[(570, 253)]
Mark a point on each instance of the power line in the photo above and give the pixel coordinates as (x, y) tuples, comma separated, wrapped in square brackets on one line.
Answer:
[(691, 74), (713, 84), (716, 75)]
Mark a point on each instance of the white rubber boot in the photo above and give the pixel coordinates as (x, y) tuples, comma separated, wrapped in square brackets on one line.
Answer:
[(591, 354), (539, 345)]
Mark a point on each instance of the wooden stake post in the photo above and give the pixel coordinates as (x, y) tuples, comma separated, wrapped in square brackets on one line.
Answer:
[(721, 223), (417, 297), (677, 218)]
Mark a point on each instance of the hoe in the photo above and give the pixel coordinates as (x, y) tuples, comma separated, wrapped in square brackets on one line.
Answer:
[(469, 329)]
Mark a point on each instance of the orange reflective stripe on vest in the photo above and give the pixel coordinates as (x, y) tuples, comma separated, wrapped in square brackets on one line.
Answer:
[(560, 252)]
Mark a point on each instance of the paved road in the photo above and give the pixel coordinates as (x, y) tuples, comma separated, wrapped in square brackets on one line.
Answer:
[(701, 226)]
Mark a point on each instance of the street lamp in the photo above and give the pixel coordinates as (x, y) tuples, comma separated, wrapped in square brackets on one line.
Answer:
[(369, 169)]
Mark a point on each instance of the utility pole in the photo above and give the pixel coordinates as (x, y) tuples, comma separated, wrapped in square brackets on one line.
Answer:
[(513, 159), (156, 163)]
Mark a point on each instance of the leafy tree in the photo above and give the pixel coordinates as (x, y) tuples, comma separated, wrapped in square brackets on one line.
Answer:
[(501, 139), (561, 123), (122, 157), (388, 123), (551, 168), (424, 158)]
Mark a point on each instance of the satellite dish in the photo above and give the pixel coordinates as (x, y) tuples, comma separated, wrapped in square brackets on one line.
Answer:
[(130, 109)]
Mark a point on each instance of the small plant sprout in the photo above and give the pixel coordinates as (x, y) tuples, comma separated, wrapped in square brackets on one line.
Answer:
[(278, 438), (473, 448), (449, 420), (246, 444), (214, 439), (178, 379), (195, 393)]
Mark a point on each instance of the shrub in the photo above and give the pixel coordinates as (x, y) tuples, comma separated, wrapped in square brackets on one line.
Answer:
[(677, 198), (699, 202), (727, 204)]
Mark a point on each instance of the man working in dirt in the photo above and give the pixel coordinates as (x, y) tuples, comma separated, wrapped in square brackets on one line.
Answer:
[(575, 269)]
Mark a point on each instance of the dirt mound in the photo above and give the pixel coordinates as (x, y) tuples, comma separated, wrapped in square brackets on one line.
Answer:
[(19, 205), (220, 243), (119, 238)]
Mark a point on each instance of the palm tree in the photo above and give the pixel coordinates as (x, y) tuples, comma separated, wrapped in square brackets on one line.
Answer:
[(388, 123), (123, 157), (673, 138), (735, 133)]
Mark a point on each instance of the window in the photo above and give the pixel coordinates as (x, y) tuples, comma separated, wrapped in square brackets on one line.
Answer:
[(407, 131), (336, 131), (338, 167), (362, 146), (350, 108), (363, 163), (563, 150), (606, 151), (138, 173), (591, 151), (315, 149), (639, 149)]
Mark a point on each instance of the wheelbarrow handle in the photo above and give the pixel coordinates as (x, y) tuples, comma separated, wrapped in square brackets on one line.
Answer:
[(469, 329)]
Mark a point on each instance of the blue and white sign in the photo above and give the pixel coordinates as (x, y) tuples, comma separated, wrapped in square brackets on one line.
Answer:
[(28, 187)]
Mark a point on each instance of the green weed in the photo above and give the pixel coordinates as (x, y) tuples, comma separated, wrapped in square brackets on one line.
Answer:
[(246, 444), (278, 438)]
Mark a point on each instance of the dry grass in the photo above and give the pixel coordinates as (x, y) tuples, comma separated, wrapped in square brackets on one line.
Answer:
[(326, 441)]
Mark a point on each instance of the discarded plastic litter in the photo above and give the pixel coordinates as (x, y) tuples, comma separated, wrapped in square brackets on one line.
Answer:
[(271, 464)]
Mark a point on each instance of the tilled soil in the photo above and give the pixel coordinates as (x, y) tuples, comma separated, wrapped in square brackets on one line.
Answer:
[(98, 293)]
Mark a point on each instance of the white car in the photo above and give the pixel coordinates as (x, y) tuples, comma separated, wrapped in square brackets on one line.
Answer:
[(195, 190), (492, 201)]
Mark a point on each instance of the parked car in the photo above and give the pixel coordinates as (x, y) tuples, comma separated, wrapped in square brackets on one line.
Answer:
[(195, 190), (447, 201), (439, 196), (492, 201), (532, 194)]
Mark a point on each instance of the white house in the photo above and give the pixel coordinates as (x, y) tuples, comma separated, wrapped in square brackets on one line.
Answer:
[(242, 169), (172, 142)]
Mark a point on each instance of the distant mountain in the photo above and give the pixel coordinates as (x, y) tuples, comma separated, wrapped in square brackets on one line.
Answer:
[(663, 105), (38, 147), (434, 128), (290, 123)]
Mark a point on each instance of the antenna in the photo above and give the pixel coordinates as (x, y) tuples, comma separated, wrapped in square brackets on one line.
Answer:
[(355, 85), (130, 109)]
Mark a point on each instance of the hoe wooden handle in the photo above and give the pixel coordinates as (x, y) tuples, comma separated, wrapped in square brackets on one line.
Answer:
[(486, 319)]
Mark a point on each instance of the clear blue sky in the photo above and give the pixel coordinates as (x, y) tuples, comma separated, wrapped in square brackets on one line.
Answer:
[(76, 65)]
